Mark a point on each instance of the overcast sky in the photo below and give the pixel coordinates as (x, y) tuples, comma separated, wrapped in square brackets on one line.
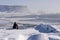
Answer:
[(34, 5)]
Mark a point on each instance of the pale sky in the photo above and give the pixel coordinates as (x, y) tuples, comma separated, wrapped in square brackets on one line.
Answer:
[(34, 5)]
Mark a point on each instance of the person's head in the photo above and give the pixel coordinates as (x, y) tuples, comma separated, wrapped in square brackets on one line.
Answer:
[(14, 22)]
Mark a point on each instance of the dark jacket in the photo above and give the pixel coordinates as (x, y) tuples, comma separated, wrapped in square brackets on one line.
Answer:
[(15, 26)]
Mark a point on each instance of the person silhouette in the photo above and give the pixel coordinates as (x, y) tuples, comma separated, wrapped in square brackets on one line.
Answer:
[(15, 26)]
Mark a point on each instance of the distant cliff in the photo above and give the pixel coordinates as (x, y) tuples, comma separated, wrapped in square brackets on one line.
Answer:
[(13, 8)]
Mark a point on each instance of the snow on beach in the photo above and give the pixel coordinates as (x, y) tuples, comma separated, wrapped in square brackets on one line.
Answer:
[(26, 34), (16, 34)]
